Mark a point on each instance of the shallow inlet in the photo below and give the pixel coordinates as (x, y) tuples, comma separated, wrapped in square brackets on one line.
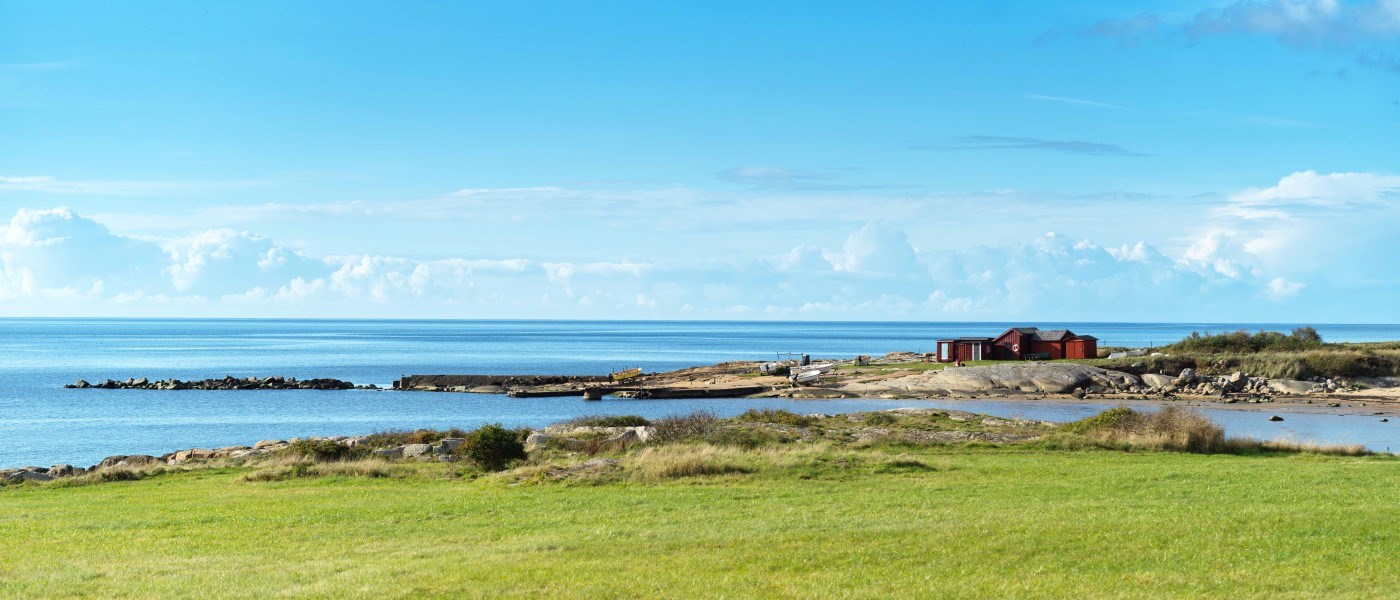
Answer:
[(83, 426)]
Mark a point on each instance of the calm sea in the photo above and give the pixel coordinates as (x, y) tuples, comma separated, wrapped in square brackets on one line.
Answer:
[(43, 423)]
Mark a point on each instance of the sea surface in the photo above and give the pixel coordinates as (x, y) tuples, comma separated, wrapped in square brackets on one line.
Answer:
[(41, 423)]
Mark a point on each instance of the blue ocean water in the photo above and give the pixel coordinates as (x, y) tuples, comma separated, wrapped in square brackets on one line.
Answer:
[(43, 423)]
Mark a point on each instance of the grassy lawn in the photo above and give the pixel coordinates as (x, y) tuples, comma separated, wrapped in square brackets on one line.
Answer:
[(943, 521)]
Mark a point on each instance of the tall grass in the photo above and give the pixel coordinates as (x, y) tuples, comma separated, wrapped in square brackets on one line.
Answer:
[(671, 462), (776, 416), (288, 469), (609, 421), (1176, 429), (696, 425)]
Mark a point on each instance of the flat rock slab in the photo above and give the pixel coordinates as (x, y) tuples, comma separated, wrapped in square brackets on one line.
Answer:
[(1045, 378)]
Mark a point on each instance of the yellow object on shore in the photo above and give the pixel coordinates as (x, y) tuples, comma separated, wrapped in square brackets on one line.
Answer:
[(627, 374)]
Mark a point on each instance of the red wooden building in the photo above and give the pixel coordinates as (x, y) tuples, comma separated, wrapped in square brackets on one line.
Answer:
[(964, 349), (1020, 343)]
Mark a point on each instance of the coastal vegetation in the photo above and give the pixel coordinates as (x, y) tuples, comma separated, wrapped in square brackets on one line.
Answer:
[(890, 503), (1302, 354)]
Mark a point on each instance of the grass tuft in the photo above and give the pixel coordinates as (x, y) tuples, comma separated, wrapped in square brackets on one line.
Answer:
[(609, 421), (672, 462), (780, 417)]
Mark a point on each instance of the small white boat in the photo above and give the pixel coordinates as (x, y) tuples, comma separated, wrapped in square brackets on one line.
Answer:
[(822, 368), (806, 376)]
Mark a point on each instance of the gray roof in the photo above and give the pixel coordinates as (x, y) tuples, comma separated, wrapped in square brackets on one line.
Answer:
[(1026, 330), (1053, 335)]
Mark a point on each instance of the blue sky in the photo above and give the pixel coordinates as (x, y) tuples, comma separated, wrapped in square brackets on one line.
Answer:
[(1184, 161)]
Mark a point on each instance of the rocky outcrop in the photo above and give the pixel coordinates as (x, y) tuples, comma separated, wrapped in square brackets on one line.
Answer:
[(574, 438), (227, 383), (1047, 378)]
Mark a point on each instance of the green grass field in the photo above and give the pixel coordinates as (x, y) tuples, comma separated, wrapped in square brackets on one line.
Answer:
[(897, 521)]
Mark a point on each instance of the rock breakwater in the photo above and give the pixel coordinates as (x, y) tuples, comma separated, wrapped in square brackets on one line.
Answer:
[(226, 383)]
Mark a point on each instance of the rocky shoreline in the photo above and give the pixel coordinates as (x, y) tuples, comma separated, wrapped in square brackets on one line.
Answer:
[(226, 383)]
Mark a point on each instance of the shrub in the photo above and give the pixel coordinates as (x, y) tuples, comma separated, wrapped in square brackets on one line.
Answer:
[(879, 418), (1106, 420), (492, 447), (1302, 338), (695, 425), (609, 421), (779, 417), (321, 450)]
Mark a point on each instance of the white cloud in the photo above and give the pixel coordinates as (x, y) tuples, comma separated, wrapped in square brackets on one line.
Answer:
[(1311, 188), (1304, 22), (58, 260), (57, 251), (1280, 288), (223, 261), (1365, 29), (1071, 101)]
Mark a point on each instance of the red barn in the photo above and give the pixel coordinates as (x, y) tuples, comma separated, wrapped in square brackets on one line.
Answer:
[(1026, 343)]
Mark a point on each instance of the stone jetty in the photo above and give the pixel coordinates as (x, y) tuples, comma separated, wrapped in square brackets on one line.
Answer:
[(226, 383)]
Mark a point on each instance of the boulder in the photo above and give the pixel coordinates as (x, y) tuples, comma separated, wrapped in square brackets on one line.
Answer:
[(267, 444), (390, 452), (1158, 381), (1275, 418), (64, 470), (82, 385), (134, 460), (1290, 386), (451, 444), (30, 476), (537, 441), (628, 436), (415, 450), (540, 441)]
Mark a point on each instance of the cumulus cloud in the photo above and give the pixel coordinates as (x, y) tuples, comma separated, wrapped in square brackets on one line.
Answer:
[(1310, 188), (224, 261), (875, 272), (56, 252), (1280, 288)]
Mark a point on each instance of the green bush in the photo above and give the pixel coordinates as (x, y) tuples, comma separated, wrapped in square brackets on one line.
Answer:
[(1106, 420), (880, 419), (779, 417), (609, 421), (321, 450), (1242, 342), (492, 447)]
